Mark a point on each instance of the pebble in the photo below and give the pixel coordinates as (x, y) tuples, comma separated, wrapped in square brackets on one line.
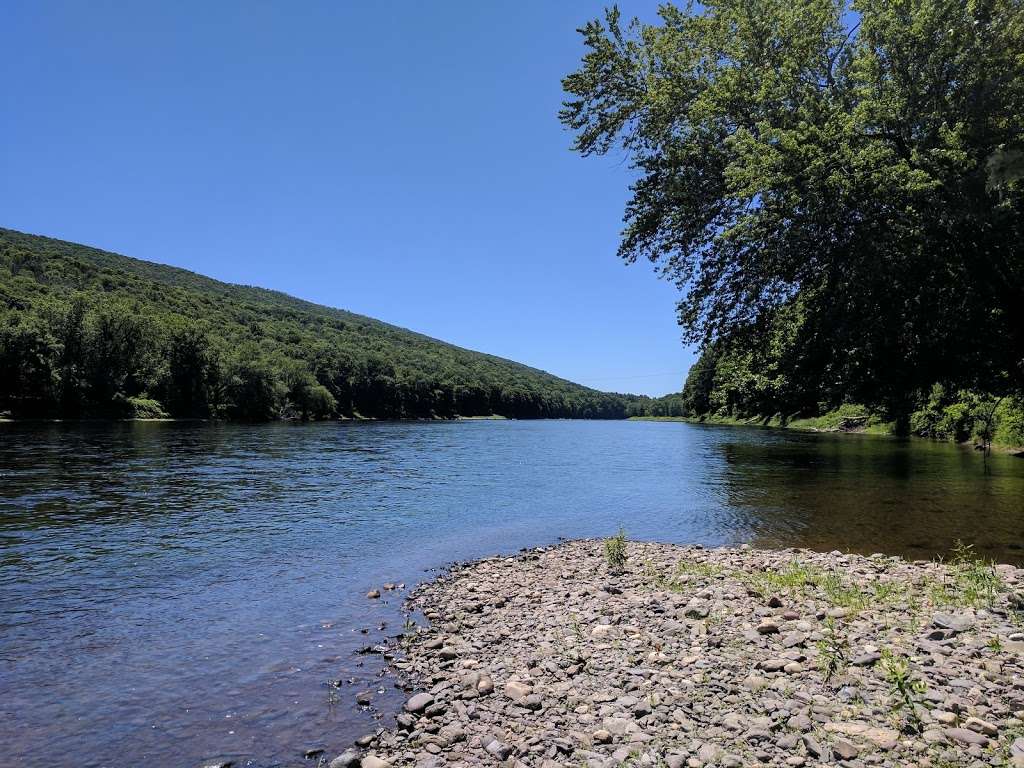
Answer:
[(695, 657)]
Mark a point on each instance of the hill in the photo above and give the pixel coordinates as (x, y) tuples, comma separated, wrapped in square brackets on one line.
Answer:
[(88, 333)]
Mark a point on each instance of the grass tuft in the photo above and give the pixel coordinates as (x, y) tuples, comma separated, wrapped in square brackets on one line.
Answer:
[(615, 551)]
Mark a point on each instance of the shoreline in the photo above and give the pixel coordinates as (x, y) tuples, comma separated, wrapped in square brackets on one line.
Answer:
[(760, 423), (692, 657)]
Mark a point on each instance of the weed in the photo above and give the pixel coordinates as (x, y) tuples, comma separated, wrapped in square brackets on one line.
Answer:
[(577, 628), (1006, 739), (973, 582), (887, 592), (702, 570), (832, 647), (904, 689), (615, 551), (841, 594), (794, 576)]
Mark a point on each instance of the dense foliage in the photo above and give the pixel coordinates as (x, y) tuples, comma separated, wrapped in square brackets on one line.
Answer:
[(86, 333), (838, 192)]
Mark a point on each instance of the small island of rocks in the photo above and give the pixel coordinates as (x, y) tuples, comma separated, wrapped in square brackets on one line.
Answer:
[(614, 653)]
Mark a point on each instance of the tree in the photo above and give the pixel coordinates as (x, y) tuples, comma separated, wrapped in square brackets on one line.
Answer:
[(254, 388), (28, 383), (192, 371), (860, 163)]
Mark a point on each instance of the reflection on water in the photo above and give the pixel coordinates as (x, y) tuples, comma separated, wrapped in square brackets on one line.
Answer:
[(172, 592)]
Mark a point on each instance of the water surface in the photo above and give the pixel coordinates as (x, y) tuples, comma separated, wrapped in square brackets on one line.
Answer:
[(171, 593)]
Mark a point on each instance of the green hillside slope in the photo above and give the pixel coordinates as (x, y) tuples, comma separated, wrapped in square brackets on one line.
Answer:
[(87, 333)]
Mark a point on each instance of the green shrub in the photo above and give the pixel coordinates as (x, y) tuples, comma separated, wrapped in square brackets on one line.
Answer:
[(1010, 422), (145, 408), (615, 551)]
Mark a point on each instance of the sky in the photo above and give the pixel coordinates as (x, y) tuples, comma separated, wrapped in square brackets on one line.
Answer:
[(403, 160)]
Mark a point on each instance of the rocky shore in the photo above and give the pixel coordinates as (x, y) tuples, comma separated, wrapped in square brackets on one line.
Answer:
[(682, 656)]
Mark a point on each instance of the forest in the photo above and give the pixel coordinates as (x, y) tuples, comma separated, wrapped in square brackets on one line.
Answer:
[(89, 334), (838, 192)]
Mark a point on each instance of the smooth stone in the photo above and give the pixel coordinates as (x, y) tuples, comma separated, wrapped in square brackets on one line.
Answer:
[(419, 702), (767, 627), (955, 622), (346, 759), (981, 726), (517, 691), (965, 736)]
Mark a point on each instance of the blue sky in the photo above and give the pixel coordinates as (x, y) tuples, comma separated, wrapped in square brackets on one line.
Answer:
[(402, 160)]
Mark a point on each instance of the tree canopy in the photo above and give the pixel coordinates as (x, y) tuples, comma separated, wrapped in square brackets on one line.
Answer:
[(837, 190), (87, 333)]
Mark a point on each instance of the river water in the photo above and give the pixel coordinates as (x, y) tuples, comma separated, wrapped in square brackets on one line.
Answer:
[(173, 593)]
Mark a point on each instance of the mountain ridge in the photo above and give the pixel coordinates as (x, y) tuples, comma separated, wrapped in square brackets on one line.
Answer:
[(42, 278)]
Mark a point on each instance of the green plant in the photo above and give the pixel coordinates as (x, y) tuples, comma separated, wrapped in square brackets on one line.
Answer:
[(615, 551), (842, 594), (832, 657), (972, 582), (577, 629), (905, 690)]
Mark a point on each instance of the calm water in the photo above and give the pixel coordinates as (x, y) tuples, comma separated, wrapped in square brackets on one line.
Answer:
[(171, 593)]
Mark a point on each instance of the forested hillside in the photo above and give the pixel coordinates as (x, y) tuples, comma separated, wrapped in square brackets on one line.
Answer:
[(87, 333)]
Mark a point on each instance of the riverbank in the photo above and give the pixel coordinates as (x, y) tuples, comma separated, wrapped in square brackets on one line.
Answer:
[(822, 424), (723, 657)]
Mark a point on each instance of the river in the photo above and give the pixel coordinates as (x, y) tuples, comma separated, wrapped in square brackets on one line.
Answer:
[(172, 593)]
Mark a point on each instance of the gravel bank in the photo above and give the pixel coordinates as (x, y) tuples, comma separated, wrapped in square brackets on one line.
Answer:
[(711, 657)]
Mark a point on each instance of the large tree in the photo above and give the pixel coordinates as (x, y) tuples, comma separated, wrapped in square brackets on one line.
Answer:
[(851, 172)]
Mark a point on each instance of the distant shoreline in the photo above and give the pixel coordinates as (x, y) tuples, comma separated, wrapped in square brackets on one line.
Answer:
[(797, 426), (1012, 450)]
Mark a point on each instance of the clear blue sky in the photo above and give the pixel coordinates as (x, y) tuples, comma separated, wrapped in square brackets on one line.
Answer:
[(401, 160)]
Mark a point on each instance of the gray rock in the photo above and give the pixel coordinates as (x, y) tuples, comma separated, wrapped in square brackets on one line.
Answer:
[(965, 736), (866, 659), (768, 627), (419, 702), (814, 749), (346, 759), (955, 622), (845, 750), (497, 748), (981, 726)]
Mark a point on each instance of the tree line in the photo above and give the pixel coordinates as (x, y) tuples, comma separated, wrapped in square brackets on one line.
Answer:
[(90, 334)]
